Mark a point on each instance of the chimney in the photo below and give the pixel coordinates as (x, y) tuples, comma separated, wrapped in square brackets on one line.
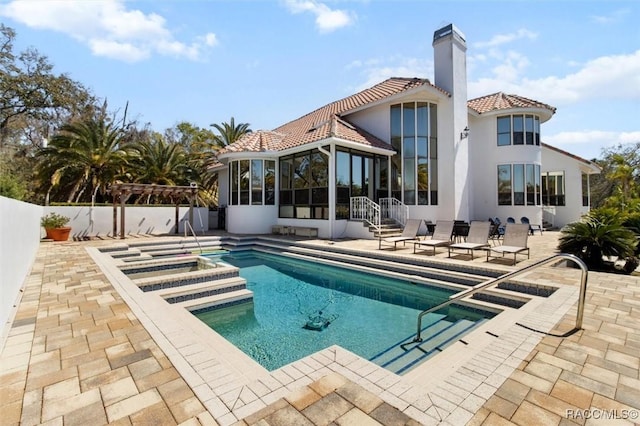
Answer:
[(450, 74)]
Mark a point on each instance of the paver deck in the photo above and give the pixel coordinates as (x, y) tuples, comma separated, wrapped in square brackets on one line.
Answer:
[(76, 353)]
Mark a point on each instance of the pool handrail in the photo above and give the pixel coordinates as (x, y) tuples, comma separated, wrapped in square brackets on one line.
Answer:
[(187, 224), (498, 280)]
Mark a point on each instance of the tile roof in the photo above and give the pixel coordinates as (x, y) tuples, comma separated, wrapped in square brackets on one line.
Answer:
[(327, 121), (500, 101), (593, 164)]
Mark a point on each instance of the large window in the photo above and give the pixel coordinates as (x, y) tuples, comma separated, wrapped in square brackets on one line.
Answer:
[(553, 189), (304, 182), (519, 185), (252, 182), (414, 166), (518, 129)]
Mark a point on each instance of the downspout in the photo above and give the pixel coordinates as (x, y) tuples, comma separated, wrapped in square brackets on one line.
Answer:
[(332, 189)]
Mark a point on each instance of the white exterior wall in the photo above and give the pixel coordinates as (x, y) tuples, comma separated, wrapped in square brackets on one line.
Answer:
[(248, 219), (554, 161), (138, 220), (487, 156), (19, 242)]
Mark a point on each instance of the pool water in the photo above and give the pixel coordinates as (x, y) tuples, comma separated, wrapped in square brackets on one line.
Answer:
[(302, 307)]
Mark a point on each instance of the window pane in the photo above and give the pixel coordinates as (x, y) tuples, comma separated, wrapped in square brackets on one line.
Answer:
[(531, 184), (409, 119), (423, 119), (343, 169), (518, 184), (270, 182), (585, 190), (396, 126), (301, 171), (504, 185), (409, 182), (529, 129), (256, 182), (233, 176), (286, 169), (504, 131), (356, 176), (536, 130), (244, 181), (518, 130), (538, 192), (319, 170)]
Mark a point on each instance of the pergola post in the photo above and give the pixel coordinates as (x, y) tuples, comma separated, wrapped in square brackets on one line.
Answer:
[(125, 190), (115, 216)]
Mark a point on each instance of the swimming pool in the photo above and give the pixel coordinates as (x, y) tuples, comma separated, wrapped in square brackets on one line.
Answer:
[(302, 307)]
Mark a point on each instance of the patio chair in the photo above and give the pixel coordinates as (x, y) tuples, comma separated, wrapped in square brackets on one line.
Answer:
[(532, 227), (441, 236), (513, 242), (410, 232), (478, 238)]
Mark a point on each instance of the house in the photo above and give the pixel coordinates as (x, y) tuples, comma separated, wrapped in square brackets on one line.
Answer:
[(405, 147)]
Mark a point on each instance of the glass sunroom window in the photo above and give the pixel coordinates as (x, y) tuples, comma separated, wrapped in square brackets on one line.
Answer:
[(252, 182)]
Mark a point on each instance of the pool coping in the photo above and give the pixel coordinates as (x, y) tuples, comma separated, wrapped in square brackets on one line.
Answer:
[(450, 386)]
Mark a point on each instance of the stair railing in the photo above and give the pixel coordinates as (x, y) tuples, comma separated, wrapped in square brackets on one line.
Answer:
[(502, 278), (187, 225), (392, 208), (365, 209)]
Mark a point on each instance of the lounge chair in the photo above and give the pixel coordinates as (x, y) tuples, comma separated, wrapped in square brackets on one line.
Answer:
[(478, 238), (441, 236), (410, 232), (532, 227), (513, 242)]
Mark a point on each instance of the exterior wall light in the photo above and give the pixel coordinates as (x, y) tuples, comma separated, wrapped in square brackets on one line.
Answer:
[(465, 133)]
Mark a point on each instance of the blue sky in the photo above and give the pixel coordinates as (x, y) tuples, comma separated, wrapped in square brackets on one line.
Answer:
[(268, 62)]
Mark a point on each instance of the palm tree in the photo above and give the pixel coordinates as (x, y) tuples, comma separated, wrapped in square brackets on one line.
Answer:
[(83, 155), (229, 132), (158, 161)]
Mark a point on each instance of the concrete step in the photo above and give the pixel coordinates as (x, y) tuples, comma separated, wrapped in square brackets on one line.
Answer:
[(203, 289), (216, 301)]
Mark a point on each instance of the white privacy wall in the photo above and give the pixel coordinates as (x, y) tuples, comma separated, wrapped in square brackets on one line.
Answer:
[(138, 220), (19, 241)]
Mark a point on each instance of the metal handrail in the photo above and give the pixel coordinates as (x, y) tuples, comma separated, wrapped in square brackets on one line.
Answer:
[(392, 208), (187, 224), (363, 208), (482, 286)]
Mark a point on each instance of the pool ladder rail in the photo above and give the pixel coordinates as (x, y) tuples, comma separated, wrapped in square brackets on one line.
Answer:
[(552, 259), (187, 225)]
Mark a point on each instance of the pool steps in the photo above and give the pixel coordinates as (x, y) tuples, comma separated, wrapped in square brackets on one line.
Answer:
[(509, 295), (441, 332)]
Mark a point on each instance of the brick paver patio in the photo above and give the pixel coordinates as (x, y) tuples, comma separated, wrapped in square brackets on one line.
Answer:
[(76, 354)]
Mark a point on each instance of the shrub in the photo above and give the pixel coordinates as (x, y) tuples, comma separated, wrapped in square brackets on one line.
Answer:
[(54, 220), (598, 234)]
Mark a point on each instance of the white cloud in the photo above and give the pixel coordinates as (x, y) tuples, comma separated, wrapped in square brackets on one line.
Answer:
[(327, 20), (108, 28), (606, 77), (377, 70), (593, 137), (500, 39), (612, 18)]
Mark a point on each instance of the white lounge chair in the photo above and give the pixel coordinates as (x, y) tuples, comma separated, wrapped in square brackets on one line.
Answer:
[(514, 241), (410, 232), (441, 236), (478, 238)]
